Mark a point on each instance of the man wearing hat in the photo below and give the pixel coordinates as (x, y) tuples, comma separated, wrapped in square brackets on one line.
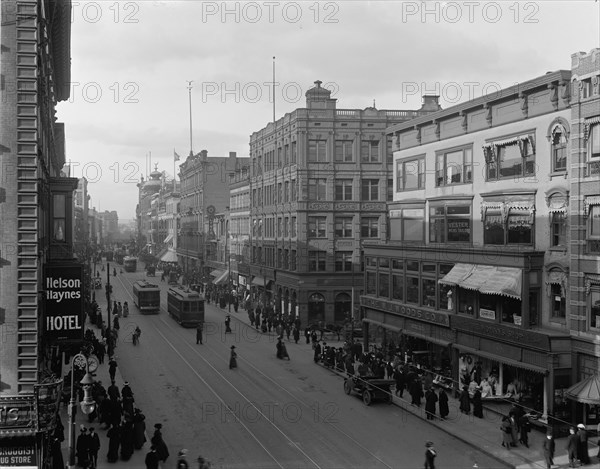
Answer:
[(430, 455), (151, 458), (82, 447), (160, 445), (93, 447), (582, 449), (181, 460), (232, 358), (572, 446)]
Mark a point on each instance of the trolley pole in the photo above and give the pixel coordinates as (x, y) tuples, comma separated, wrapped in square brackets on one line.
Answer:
[(108, 335)]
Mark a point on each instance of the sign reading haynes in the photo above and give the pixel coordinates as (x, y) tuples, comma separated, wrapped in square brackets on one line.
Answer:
[(63, 298)]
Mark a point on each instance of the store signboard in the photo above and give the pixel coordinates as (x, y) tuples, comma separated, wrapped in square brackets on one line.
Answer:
[(47, 398), (63, 299), (23, 457), (487, 314), (17, 414)]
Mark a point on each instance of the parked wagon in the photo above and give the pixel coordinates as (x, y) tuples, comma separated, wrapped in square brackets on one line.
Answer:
[(369, 389)]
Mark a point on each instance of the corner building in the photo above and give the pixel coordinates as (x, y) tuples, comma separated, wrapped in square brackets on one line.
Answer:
[(320, 179), (472, 282)]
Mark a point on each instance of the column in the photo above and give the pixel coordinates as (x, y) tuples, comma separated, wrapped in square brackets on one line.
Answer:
[(500, 379), (545, 412)]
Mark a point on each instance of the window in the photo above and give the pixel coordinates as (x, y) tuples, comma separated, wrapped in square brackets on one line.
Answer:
[(390, 190), (397, 287), (407, 224), (371, 282), (558, 301), (516, 227), (369, 227), (343, 261), (293, 260), (410, 174), (59, 217), (317, 188), (450, 224), (294, 155), (412, 290), (389, 154), (384, 285), (280, 193), (512, 159), (293, 193), (559, 149), (293, 227), (593, 150), (286, 227), (558, 229), (428, 291), (286, 154), (370, 189), (343, 151), (343, 189), (593, 237), (369, 151), (595, 307), (279, 227), (454, 167), (316, 261), (317, 227), (317, 150), (343, 227)]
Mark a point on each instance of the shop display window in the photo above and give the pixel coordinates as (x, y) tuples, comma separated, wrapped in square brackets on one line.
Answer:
[(428, 291), (412, 290), (397, 287), (384, 285), (371, 282), (445, 299), (466, 301)]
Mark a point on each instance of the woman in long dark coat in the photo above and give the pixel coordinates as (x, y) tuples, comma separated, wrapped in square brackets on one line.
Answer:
[(416, 392), (139, 429), (465, 401), (477, 404), (232, 358), (443, 403), (430, 400), (126, 440), (114, 441), (160, 445)]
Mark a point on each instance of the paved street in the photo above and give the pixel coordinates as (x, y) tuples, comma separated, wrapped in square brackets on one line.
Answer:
[(267, 413)]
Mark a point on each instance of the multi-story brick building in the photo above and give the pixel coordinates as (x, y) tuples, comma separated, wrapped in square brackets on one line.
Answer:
[(204, 193), (36, 229), (110, 225), (168, 221), (147, 212), (472, 281), (239, 227), (584, 268), (320, 180)]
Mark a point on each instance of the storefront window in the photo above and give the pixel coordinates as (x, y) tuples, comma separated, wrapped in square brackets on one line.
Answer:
[(428, 293), (445, 299), (412, 266), (397, 264), (445, 268), (428, 268), (384, 285), (384, 262), (511, 310), (397, 287), (371, 283), (487, 306), (412, 290), (466, 301)]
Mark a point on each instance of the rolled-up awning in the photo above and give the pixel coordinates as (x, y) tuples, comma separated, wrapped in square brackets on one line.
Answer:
[(168, 238), (169, 256), (506, 281)]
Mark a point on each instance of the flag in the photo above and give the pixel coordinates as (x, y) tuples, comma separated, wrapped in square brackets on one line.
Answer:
[(176, 157)]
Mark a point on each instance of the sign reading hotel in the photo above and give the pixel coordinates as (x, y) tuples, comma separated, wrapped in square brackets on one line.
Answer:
[(63, 298)]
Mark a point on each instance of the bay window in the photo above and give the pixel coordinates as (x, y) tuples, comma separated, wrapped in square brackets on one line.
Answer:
[(506, 224), (593, 148), (407, 224)]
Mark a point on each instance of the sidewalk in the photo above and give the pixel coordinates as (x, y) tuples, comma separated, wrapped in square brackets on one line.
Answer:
[(482, 434)]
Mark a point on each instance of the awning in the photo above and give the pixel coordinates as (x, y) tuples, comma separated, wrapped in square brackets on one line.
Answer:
[(556, 277), (217, 272), (169, 256), (487, 279), (168, 238), (427, 338), (381, 324), (503, 360), (222, 278), (258, 281), (586, 391)]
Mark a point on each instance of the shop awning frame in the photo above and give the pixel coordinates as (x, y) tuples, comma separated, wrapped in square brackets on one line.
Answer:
[(169, 256), (488, 279), (586, 391), (381, 324), (222, 277), (217, 273), (456, 274), (258, 281), (503, 360), (168, 238)]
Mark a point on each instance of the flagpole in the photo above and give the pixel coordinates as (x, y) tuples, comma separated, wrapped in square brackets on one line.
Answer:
[(190, 104), (273, 89)]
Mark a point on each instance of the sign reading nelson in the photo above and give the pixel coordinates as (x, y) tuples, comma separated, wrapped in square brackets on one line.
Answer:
[(63, 297)]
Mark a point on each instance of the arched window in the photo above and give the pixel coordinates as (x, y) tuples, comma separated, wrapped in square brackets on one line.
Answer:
[(316, 308), (342, 308), (558, 135)]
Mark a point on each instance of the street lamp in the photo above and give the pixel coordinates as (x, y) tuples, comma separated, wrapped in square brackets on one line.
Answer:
[(87, 404)]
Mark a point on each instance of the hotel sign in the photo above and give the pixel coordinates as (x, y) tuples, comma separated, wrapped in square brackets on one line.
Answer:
[(433, 317), (17, 414), (63, 300), (515, 335)]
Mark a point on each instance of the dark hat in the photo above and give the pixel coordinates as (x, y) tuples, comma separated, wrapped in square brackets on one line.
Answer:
[(233, 346), (429, 444), (91, 429), (158, 425), (82, 428)]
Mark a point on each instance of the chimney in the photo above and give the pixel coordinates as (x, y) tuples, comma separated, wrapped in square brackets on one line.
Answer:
[(431, 103), (204, 155)]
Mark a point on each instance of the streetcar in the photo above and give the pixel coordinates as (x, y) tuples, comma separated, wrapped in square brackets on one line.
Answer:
[(119, 257), (146, 296), (185, 306), (130, 264)]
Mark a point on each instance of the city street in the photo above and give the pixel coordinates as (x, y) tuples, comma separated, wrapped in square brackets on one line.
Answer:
[(266, 413)]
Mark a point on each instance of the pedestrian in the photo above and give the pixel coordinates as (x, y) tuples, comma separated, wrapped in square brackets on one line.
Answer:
[(514, 428), (181, 460), (430, 455), (232, 358), (93, 447), (227, 324), (199, 333), (116, 326), (296, 334), (477, 403), (443, 404), (572, 447), (506, 432), (582, 450), (83, 448), (400, 380), (317, 352), (151, 458), (114, 441), (159, 443), (430, 400), (203, 463), (549, 451), (465, 401), (127, 439), (416, 392), (525, 428), (112, 368), (307, 335), (113, 390), (139, 429), (119, 309)]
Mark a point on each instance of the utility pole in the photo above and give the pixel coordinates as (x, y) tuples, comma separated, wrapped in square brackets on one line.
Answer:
[(108, 336), (190, 104)]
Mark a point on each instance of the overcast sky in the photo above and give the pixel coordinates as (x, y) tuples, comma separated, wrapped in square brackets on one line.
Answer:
[(131, 61)]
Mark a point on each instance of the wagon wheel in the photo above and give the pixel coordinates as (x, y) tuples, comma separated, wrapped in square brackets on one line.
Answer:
[(347, 387), (367, 397)]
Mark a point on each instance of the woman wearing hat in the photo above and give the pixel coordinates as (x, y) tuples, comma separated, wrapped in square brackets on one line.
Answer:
[(232, 358), (430, 455), (582, 446)]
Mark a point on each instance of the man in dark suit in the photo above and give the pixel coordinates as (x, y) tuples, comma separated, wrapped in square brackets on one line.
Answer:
[(572, 443), (93, 447), (549, 451), (151, 458)]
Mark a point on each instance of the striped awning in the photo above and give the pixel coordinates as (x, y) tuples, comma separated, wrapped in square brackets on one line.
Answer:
[(222, 278), (488, 279), (456, 274), (589, 201)]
